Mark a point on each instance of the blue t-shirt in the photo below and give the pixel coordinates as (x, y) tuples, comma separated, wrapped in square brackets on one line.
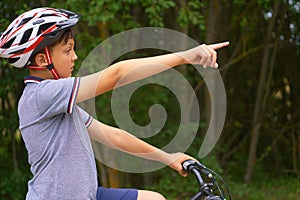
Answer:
[(54, 130)]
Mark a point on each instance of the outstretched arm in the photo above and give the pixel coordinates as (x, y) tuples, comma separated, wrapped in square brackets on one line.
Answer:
[(121, 140), (125, 72)]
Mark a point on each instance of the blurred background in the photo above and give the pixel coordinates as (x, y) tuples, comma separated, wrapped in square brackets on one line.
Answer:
[(258, 153)]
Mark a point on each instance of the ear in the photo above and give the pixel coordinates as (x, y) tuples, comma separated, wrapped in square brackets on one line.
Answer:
[(40, 60)]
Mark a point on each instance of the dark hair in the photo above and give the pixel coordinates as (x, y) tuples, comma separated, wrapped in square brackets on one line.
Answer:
[(63, 38)]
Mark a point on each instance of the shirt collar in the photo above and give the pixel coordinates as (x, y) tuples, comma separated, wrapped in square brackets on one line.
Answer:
[(32, 79)]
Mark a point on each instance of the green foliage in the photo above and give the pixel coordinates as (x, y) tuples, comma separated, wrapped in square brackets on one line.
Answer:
[(13, 185), (155, 10), (266, 187), (189, 15), (277, 151), (275, 188)]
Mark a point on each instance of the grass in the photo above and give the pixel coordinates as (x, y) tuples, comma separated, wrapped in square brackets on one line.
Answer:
[(279, 188), (175, 187)]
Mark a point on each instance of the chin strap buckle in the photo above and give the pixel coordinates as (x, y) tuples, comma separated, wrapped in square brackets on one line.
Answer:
[(50, 65)]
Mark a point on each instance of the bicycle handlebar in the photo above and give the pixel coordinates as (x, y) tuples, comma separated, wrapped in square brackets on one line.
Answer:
[(207, 189)]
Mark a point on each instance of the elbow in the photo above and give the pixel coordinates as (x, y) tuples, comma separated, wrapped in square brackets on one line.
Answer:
[(116, 72)]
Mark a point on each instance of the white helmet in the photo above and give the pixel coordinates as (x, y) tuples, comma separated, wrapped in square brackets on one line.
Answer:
[(33, 31)]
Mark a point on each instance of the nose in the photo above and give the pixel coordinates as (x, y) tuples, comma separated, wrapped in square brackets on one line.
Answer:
[(74, 57)]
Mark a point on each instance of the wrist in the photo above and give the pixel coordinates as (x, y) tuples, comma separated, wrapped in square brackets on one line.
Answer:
[(182, 57), (169, 158)]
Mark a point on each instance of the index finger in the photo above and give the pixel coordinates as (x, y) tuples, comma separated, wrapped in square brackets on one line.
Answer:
[(218, 45)]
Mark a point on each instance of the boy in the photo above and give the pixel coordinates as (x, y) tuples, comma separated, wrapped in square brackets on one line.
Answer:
[(55, 130)]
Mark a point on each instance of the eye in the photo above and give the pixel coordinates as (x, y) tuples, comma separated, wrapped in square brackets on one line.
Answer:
[(68, 50)]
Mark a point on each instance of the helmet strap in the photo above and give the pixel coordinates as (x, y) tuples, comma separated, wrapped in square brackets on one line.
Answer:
[(35, 67), (50, 65)]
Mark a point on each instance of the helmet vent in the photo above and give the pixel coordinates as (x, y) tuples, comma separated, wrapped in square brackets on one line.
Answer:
[(6, 32), (13, 60), (46, 15), (18, 51), (26, 36), (9, 43), (24, 21), (44, 27)]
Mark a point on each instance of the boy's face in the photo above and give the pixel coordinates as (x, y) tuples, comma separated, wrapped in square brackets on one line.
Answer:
[(63, 58)]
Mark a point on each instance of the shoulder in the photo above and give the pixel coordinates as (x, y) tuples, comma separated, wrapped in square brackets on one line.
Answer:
[(61, 91), (60, 85), (60, 82)]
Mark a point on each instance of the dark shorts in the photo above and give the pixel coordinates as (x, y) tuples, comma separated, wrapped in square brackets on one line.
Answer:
[(116, 194)]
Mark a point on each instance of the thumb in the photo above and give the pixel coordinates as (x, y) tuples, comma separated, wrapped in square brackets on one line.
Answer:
[(218, 45), (183, 173)]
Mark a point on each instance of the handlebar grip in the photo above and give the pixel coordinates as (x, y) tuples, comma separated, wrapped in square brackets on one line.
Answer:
[(188, 165)]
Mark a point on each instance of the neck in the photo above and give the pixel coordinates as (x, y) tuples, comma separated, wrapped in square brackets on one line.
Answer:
[(44, 74)]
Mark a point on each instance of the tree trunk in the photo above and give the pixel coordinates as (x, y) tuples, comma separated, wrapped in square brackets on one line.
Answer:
[(14, 151), (9, 104), (260, 96), (183, 70), (110, 177), (214, 33)]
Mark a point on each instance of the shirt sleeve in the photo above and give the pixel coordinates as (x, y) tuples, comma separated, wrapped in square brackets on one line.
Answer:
[(87, 118), (57, 96)]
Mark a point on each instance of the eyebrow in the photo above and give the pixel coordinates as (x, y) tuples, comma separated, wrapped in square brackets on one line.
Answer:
[(70, 44)]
